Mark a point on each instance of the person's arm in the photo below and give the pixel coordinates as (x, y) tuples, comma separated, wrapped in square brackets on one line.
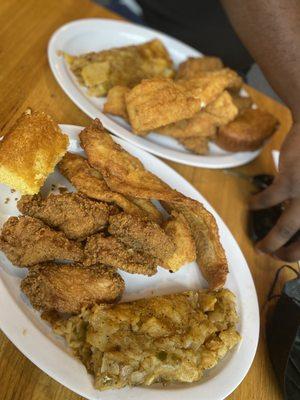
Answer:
[(270, 29)]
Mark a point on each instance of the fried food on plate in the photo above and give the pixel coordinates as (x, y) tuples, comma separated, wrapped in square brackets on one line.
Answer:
[(166, 339), (179, 231), (142, 235), (115, 102), (248, 131), (30, 151), (157, 102), (122, 172), (241, 102), (27, 241), (90, 182), (151, 211), (71, 213), (126, 66), (110, 251), (196, 144), (223, 109), (210, 253), (66, 288), (194, 66)]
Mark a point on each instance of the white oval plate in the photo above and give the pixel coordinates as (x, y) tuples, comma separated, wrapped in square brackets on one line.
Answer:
[(87, 35), (34, 338)]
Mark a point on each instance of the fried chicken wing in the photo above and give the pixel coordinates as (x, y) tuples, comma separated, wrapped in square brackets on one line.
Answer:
[(127, 66), (122, 172), (72, 213), (210, 253), (110, 251), (27, 241), (141, 235), (66, 288), (90, 182), (115, 102), (194, 66), (179, 231)]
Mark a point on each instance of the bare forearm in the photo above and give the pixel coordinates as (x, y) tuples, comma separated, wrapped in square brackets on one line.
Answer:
[(270, 29)]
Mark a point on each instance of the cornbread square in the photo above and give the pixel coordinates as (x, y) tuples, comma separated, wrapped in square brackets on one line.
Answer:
[(30, 151)]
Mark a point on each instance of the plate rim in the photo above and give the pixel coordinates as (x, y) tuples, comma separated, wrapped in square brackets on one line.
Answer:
[(77, 96), (15, 336)]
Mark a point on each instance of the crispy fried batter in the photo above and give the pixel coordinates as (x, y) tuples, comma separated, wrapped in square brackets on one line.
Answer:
[(122, 172), (72, 213), (66, 288), (141, 235), (110, 251), (179, 231), (194, 66), (125, 66), (90, 182), (241, 102), (157, 102), (115, 102), (168, 339), (248, 131), (223, 109), (152, 212), (196, 144), (27, 241), (210, 253)]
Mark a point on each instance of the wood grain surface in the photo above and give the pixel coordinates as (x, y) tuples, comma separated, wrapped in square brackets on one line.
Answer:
[(26, 81)]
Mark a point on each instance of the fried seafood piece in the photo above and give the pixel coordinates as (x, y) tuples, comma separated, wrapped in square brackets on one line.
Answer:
[(157, 102), (71, 213), (115, 102), (195, 66), (165, 339), (223, 109), (210, 253), (248, 131), (141, 235), (241, 102), (126, 66), (90, 182), (66, 288), (111, 251), (27, 241), (122, 172), (150, 210), (196, 144), (179, 231)]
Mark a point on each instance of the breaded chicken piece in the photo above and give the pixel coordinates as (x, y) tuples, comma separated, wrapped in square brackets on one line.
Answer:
[(128, 65), (90, 182), (165, 339), (211, 257), (71, 213), (66, 288), (110, 251), (122, 172), (248, 131), (179, 231), (194, 66), (157, 102), (115, 102), (27, 241), (141, 235)]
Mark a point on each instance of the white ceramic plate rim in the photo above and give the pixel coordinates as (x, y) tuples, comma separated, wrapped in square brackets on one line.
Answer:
[(43, 352), (77, 95)]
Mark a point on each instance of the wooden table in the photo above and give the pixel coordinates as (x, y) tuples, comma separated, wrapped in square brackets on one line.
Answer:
[(26, 80)]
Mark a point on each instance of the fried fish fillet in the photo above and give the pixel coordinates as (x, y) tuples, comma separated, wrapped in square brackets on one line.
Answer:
[(223, 109), (141, 235), (196, 144), (194, 66), (241, 102), (210, 253), (90, 182), (66, 288), (179, 231), (165, 339), (127, 66), (115, 102), (110, 251), (248, 131), (27, 241), (122, 172), (151, 211), (71, 213)]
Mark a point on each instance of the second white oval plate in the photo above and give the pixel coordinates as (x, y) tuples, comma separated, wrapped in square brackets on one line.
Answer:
[(34, 338), (83, 36)]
